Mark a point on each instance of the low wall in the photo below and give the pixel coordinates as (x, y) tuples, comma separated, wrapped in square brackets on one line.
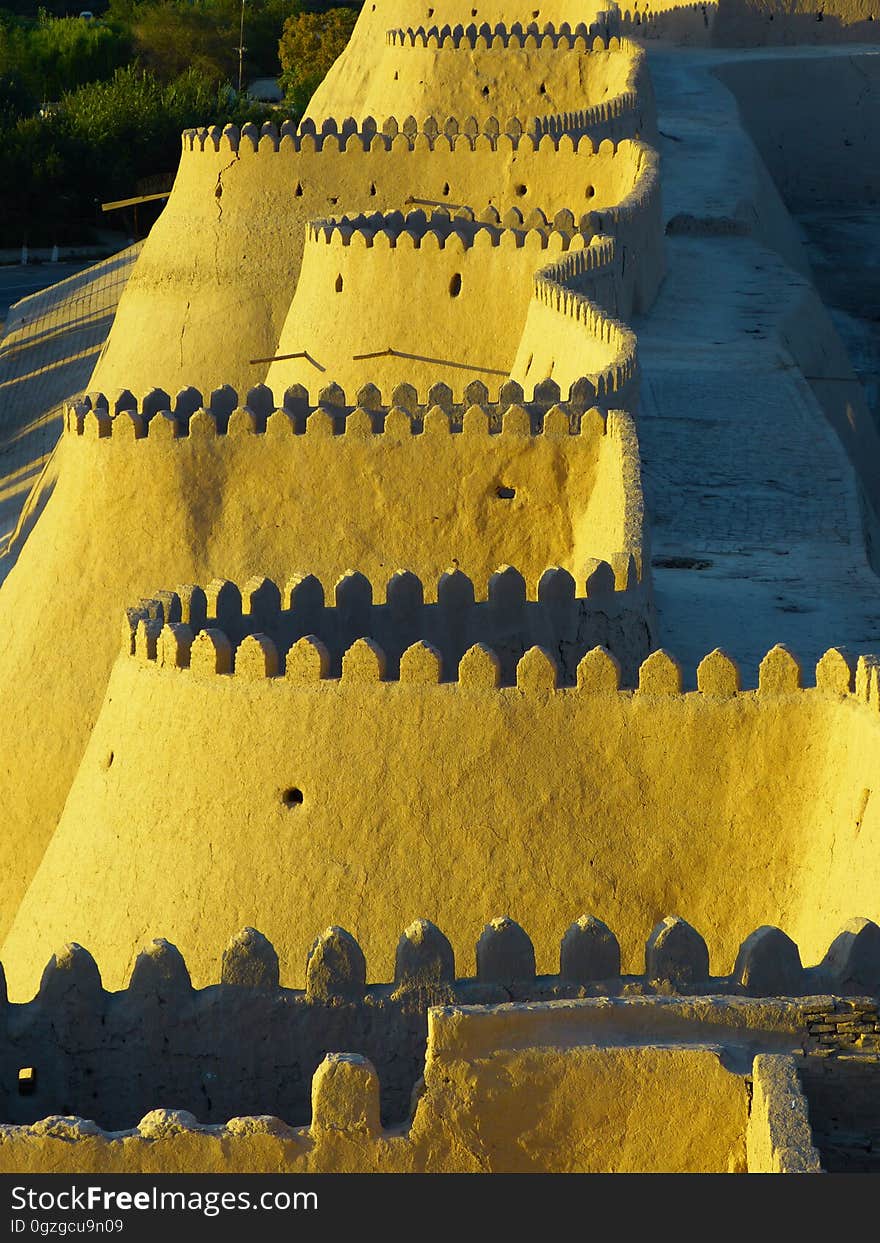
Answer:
[(779, 1138), (558, 1105)]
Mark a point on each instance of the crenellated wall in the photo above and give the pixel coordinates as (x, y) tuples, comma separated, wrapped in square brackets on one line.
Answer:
[(235, 226), (475, 326), (150, 497), (113, 1056), (733, 807), (595, 85), (260, 630)]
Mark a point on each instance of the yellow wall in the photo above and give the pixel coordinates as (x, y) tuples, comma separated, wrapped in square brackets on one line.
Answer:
[(130, 516), (214, 284), (724, 810)]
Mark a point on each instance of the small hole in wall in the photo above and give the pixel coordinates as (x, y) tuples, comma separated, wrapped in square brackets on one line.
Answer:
[(445, 187), (298, 192), (27, 1081), (591, 190), (455, 285), (395, 75), (504, 493), (520, 190), (333, 199), (537, 13), (485, 90), (108, 763), (430, 12), (292, 797), (372, 189), (473, 12), (529, 363), (338, 285), (542, 89)]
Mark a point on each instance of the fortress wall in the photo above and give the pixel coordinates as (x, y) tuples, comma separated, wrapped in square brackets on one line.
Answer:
[(414, 75), (242, 251), (612, 610), (473, 315), (712, 804), (687, 24), (566, 335), (798, 113), (215, 277), (376, 20), (756, 23), (133, 514), (356, 298)]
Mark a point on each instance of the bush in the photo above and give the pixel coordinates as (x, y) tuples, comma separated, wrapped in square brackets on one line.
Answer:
[(57, 55)]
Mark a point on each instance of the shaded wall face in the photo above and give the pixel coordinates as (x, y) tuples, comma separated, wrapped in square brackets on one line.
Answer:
[(815, 123), (690, 804), (755, 23)]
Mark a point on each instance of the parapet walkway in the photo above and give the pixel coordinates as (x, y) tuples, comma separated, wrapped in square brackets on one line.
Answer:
[(754, 508)]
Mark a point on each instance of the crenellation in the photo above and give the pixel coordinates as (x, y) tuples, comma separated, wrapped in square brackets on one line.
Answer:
[(768, 964), (505, 952), (676, 954)]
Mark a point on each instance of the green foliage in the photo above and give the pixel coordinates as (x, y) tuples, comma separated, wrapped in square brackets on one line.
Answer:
[(88, 108), (309, 44), (56, 55), (97, 144)]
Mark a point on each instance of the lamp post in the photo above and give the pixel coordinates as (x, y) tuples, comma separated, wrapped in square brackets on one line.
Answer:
[(241, 47)]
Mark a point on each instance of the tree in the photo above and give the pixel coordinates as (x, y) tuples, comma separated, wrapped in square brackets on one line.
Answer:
[(309, 44)]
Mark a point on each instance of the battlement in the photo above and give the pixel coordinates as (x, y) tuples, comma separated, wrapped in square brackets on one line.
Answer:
[(261, 631), (465, 229), (327, 411), (89, 1053), (676, 963), (691, 24), (569, 288), (581, 38), (176, 644), (395, 136)]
